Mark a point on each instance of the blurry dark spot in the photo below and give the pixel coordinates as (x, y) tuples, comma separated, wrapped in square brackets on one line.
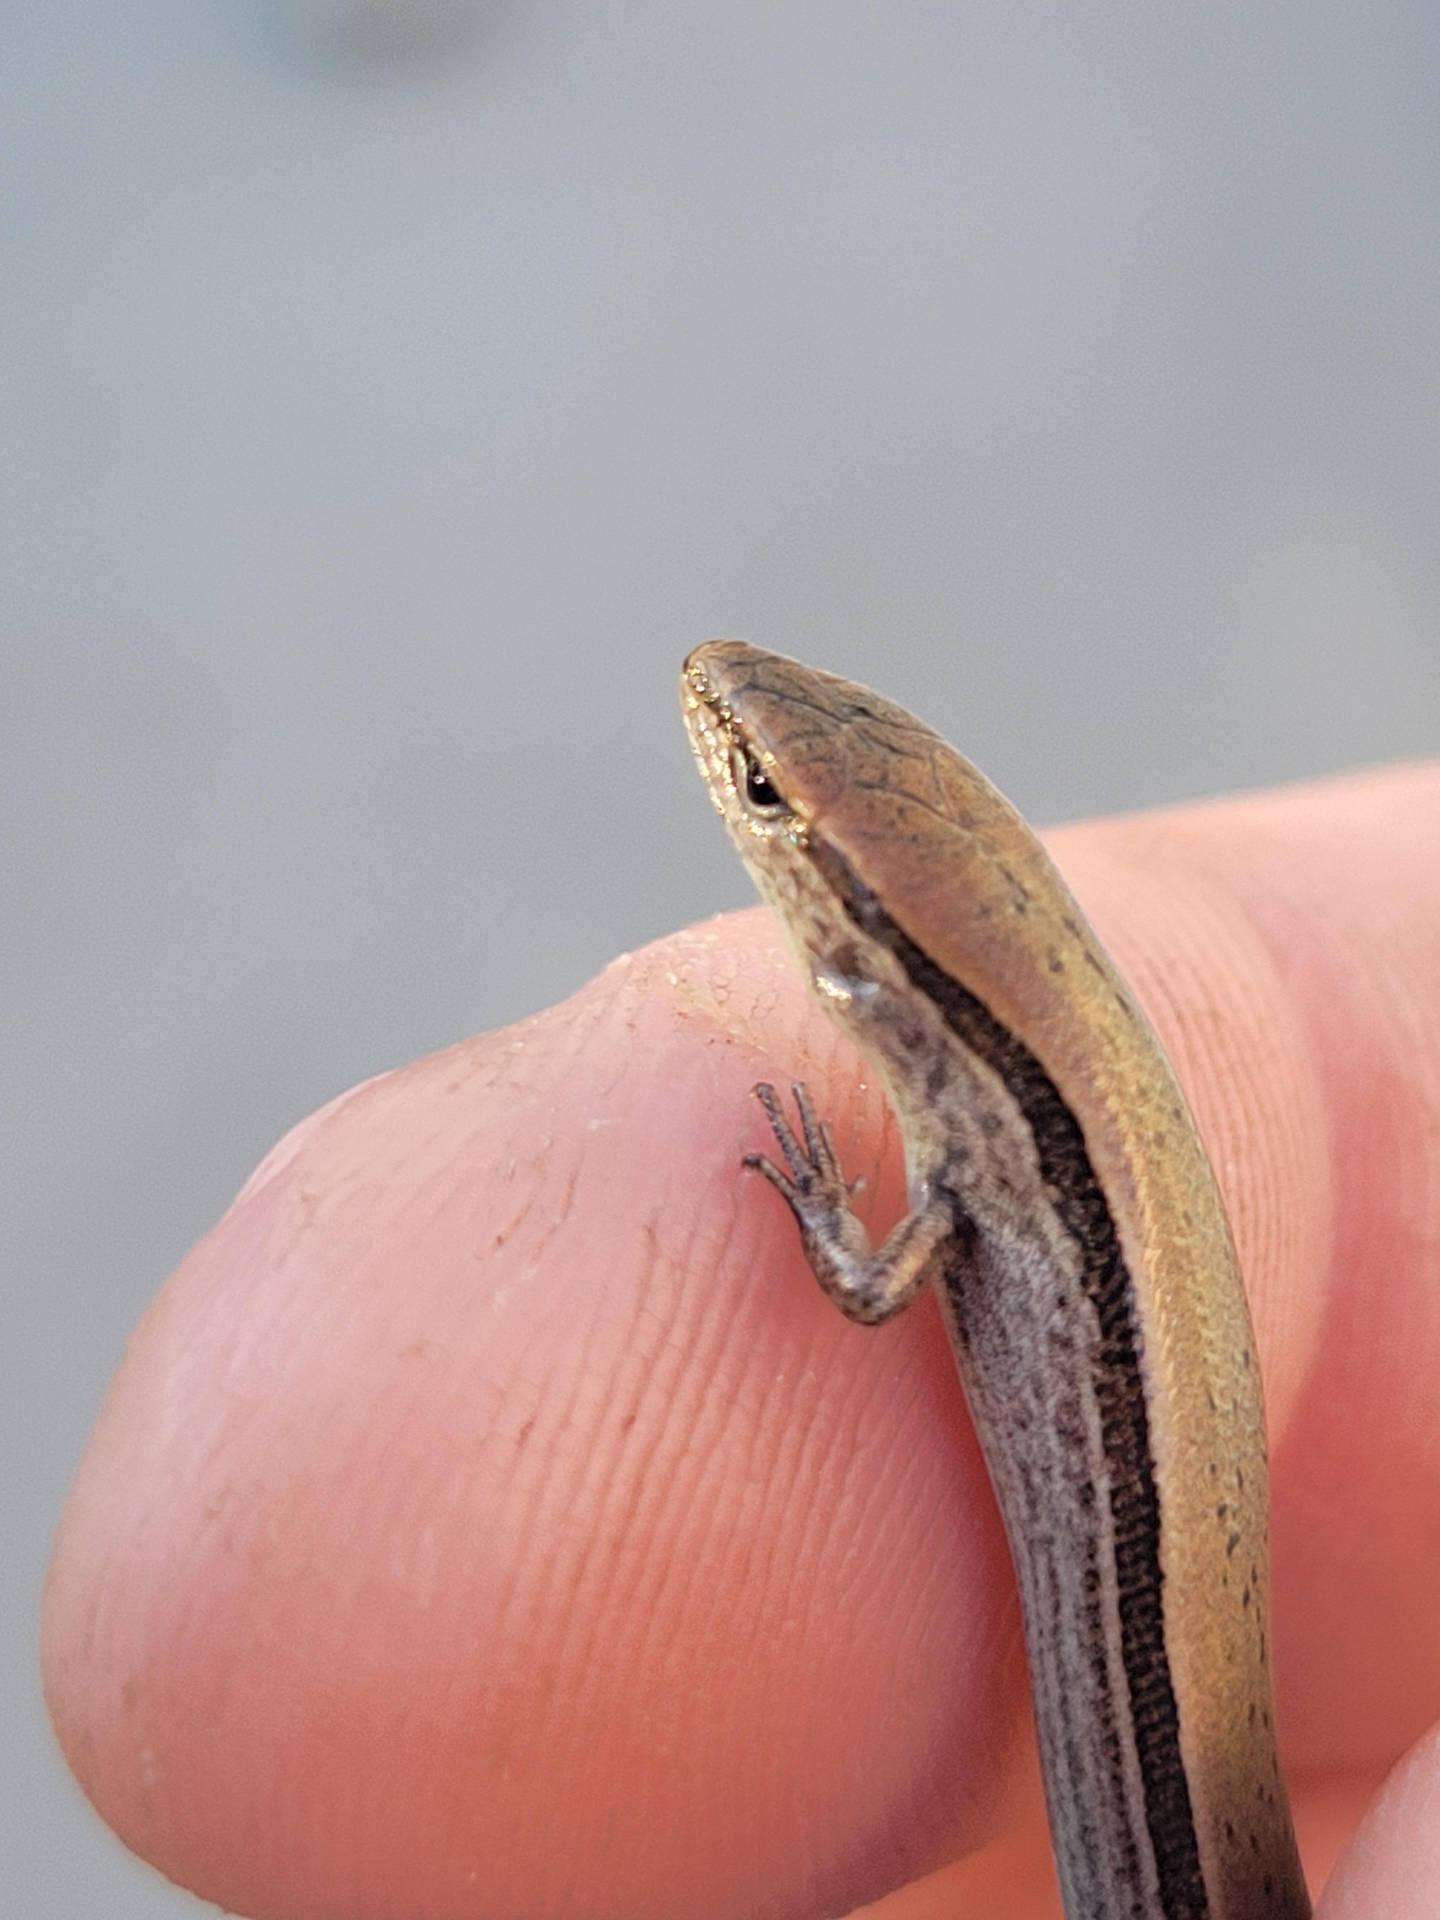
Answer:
[(399, 38)]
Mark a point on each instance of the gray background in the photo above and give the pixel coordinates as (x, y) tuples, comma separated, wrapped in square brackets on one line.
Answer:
[(389, 395)]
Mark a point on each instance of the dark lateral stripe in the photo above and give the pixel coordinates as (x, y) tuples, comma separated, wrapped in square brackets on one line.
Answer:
[(1120, 1397)]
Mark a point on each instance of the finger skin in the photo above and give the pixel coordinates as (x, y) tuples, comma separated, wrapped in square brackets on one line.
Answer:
[(1392, 1867), (490, 1517)]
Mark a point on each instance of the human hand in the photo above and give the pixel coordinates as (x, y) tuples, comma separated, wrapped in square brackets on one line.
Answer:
[(490, 1517)]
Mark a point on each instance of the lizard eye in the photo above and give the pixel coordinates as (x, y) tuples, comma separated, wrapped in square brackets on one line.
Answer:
[(760, 791)]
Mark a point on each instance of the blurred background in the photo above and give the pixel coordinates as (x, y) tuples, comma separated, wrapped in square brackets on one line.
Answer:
[(391, 394)]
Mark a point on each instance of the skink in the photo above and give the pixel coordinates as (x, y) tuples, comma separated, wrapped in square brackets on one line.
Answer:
[(1061, 1203)]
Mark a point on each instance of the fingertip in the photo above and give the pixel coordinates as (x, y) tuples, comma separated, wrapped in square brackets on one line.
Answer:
[(491, 1491)]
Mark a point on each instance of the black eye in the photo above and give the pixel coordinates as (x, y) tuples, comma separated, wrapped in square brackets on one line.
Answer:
[(758, 790)]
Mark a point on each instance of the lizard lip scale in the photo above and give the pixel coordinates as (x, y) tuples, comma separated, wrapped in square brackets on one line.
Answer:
[(1062, 1206)]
